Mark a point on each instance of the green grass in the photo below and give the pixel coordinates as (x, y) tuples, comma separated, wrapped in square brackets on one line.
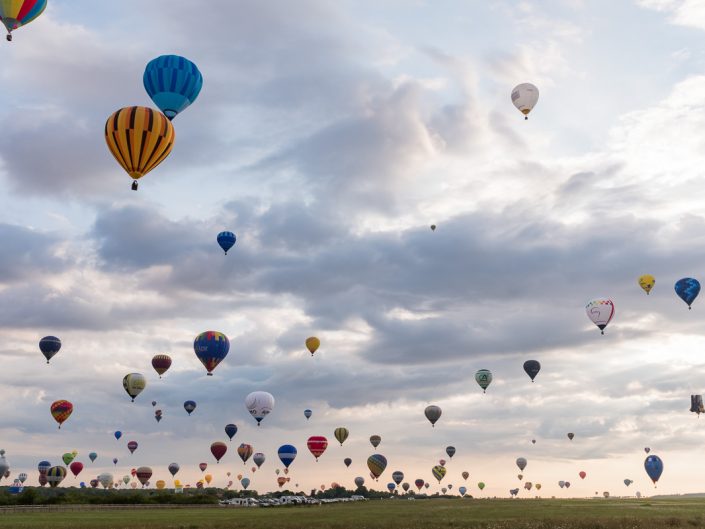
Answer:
[(392, 514)]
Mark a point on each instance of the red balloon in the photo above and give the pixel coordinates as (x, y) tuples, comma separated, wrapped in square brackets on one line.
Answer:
[(218, 450), (204, 466), (76, 468), (132, 446), (582, 474), (317, 444)]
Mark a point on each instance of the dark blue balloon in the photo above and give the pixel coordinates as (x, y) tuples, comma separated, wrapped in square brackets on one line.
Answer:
[(82, 485), (287, 454), (226, 239), (230, 430), (173, 83), (189, 406), (307, 414), (687, 289), (391, 486), (118, 434), (49, 346), (532, 368), (654, 467)]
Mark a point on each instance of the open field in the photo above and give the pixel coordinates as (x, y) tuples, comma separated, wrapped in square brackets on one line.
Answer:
[(398, 514)]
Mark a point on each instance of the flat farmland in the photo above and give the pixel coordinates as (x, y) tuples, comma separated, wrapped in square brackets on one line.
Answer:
[(382, 514)]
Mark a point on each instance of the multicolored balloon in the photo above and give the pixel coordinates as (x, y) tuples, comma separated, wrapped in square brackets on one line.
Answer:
[(189, 406), (341, 434), (17, 13), (307, 414), (211, 347), (244, 451), (61, 410), (287, 454), (134, 383), (161, 363), (375, 440), (376, 463), (317, 444), (259, 404), (438, 472), (600, 311), (484, 378)]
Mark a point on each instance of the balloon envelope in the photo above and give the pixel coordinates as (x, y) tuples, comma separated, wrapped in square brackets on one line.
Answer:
[(600, 311), (687, 289), (61, 410), (376, 463), (218, 450), (532, 368), (18, 13), (317, 444), (189, 406), (647, 282), (341, 434), (433, 413), (134, 383), (211, 347), (259, 404), (654, 467), (287, 454), (524, 97), (49, 346), (161, 363), (230, 430), (226, 240), (484, 378), (173, 82), (312, 344)]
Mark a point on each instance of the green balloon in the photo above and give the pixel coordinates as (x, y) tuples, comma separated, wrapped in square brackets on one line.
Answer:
[(484, 378), (481, 485), (67, 457)]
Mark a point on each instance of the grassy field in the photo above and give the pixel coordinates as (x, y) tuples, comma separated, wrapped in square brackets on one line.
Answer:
[(397, 514)]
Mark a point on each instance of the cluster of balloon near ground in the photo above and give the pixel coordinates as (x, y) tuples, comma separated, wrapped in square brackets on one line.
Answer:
[(140, 138)]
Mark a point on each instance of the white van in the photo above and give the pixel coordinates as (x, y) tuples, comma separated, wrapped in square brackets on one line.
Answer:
[(243, 502)]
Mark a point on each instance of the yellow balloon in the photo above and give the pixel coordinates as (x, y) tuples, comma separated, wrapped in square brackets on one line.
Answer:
[(312, 344), (208, 478), (161, 484), (647, 282), (177, 483), (75, 453)]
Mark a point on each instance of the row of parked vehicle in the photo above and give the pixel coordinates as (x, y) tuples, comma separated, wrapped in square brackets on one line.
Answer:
[(286, 500)]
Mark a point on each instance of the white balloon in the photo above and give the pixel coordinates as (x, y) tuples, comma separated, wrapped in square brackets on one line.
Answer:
[(600, 312), (105, 479), (259, 404), (524, 97)]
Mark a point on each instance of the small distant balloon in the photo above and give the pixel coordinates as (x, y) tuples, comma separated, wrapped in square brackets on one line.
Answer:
[(600, 311), (484, 378), (307, 414), (226, 240), (647, 282), (312, 344), (49, 346), (524, 98), (433, 413), (687, 289)]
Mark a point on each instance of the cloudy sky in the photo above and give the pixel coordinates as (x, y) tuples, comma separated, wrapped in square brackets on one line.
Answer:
[(329, 138)]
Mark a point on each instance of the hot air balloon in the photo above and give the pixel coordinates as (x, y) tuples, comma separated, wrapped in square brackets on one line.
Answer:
[(115, 461), (61, 410), (561, 484), (426, 485), (484, 378), (172, 82), (312, 344), (203, 466), (520, 476), (245, 482), (143, 475), (259, 404), (533, 441), (92, 456), (42, 479), (570, 435), (22, 477), (126, 479), (67, 458), (438, 472), (524, 97), (375, 440), (442, 462), (654, 467), (405, 486), (132, 446), (582, 474), (450, 450), (287, 454), (600, 311), (139, 138), (281, 481), (480, 485), (218, 450), (397, 477), (43, 466), (465, 475), (347, 462), (647, 282), (359, 481), (419, 483), (627, 482), (521, 463), (189, 406), (161, 363), (55, 475), (532, 368), (208, 478), (307, 414), (433, 413), (647, 449), (133, 472), (226, 240), (687, 289), (376, 463), (230, 430), (76, 468), (258, 459), (173, 468), (462, 491), (49, 345), (105, 479), (161, 484), (134, 383), (341, 434), (391, 487), (433, 227), (317, 444), (211, 347), (244, 451), (118, 435), (158, 415), (18, 13), (567, 484)]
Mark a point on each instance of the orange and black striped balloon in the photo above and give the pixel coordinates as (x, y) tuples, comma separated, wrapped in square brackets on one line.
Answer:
[(139, 138)]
